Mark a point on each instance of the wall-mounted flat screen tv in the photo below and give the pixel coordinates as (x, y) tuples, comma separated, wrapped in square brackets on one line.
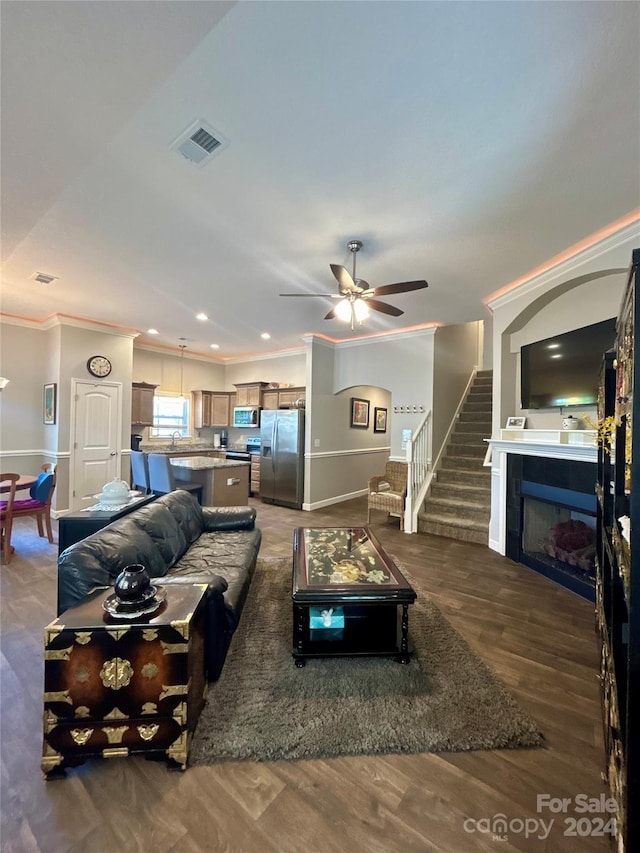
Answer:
[(565, 370)]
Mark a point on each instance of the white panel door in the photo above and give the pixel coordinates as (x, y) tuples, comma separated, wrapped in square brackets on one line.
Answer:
[(96, 440)]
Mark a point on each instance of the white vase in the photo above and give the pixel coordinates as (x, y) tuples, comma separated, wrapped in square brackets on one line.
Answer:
[(570, 422)]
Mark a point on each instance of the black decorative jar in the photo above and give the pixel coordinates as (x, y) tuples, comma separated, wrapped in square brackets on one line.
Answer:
[(132, 583)]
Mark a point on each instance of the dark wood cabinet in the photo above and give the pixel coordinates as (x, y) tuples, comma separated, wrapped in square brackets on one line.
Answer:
[(114, 688), (618, 566), (142, 404)]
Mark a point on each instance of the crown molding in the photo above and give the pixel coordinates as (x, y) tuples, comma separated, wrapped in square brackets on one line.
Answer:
[(375, 337), (564, 266), (53, 321)]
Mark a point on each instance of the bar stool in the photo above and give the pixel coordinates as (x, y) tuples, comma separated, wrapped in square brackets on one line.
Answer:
[(140, 471), (162, 479)]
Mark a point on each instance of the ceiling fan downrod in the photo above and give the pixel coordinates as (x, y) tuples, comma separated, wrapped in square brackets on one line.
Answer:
[(354, 247)]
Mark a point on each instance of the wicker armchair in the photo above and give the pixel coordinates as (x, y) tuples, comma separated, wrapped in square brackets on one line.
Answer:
[(389, 491)]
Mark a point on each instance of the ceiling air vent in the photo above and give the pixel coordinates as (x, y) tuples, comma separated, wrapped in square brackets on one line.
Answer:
[(43, 277), (199, 143)]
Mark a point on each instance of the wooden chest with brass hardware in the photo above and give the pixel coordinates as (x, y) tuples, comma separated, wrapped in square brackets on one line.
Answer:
[(115, 688)]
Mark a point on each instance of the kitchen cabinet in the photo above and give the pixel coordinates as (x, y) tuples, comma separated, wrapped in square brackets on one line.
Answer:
[(276, 398), (249, 393), (255, 474), (142, 403), (211, 409), (270, 399), (288, 396), (224, 482)]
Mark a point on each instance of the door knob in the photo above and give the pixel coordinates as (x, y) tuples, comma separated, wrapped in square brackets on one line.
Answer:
[(114, 453)]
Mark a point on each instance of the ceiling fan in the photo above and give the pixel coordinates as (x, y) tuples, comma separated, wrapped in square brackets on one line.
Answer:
[(355, 295)]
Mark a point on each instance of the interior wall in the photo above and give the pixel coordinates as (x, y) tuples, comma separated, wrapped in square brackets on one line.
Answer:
[(603, 264), (486, 362), (397, 369), (403, 364), (589, 303), (26, 360), (456, 350), (77, 345), (169, 371), (289, 368)]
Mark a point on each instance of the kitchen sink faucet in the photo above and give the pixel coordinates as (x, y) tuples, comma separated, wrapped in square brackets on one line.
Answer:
[(175, 435)]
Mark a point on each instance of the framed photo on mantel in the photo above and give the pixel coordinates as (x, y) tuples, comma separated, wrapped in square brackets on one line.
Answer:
[(515, 423)]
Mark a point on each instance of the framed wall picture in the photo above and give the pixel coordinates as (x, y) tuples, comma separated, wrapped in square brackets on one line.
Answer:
[(359, 413), (515, 423), (49, 403), (379, 419)]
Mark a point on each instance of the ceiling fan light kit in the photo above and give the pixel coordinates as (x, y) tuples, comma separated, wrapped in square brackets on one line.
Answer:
[(355, 295)]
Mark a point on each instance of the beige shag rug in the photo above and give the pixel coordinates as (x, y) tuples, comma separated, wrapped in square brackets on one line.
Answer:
[(263, 708)]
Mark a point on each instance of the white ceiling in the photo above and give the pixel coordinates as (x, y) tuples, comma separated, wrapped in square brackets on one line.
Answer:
[(464, 142)]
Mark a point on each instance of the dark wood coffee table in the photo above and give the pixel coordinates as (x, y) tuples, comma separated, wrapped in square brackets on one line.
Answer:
[(349, 597)]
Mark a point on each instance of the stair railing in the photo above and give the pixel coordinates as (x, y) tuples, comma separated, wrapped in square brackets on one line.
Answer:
[(421, 470), (418, 456)]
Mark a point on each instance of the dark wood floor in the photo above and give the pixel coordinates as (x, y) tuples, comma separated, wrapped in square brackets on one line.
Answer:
[(538, 638)]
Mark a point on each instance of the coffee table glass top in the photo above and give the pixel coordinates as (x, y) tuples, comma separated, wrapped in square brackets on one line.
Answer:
[(347, 556)]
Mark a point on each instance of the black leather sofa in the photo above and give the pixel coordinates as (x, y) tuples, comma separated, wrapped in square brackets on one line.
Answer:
[(178, 541)]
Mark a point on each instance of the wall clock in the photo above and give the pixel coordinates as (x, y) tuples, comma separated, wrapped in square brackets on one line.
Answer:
[(99, 365)]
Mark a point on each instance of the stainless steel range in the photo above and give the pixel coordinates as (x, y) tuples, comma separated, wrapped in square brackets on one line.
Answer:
[(252, 449)]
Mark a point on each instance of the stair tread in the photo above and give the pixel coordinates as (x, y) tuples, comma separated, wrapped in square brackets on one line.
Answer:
[(463, 483), (475, 506), (452, 521)]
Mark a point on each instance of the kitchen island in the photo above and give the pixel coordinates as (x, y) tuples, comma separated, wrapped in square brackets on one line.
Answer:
[(225, 482)]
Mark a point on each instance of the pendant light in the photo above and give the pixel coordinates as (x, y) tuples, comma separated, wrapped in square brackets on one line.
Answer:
[(182, 349)]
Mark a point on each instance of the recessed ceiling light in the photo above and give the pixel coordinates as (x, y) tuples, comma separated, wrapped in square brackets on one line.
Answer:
[(152, 331), (265, 336), (556, 355), (553, 346), (201, 316), (214, 346)]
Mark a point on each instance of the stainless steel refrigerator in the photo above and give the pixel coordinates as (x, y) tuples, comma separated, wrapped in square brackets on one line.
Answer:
[(282, 457)]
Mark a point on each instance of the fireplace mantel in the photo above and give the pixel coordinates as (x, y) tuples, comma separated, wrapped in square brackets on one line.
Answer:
[(576, 445)]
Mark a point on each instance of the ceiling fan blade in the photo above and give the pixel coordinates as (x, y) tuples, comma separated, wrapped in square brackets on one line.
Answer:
[(382, 306), (400, 287), (331, 315), (329, 295), (343, 277)]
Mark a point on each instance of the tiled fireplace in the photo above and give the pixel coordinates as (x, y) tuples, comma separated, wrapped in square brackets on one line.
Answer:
[(551, 527), (543, 506)]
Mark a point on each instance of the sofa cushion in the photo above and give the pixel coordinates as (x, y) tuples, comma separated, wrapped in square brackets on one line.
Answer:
[(228, 518), (232, 555), (163, 529), (186, 512), (97, 560)]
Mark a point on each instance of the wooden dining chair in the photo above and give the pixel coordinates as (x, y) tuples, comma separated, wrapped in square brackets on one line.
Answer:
[(6, 515), (38, 504)]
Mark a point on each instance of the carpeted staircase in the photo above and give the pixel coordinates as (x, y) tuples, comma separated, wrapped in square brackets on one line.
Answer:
[(459, 503)]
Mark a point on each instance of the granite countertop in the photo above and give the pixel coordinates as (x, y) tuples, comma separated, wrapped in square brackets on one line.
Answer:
[(205, 463), (180, 449)]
